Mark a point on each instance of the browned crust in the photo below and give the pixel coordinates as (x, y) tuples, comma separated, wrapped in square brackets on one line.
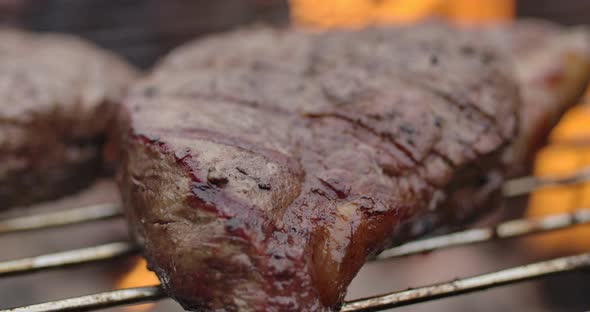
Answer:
[(267, 165)]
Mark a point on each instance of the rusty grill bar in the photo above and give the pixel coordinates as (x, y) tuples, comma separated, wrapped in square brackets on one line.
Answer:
[(60, 218), (467, 285), (386, 301), (525, 185), (509, 229), (98, 301), (67, 258)]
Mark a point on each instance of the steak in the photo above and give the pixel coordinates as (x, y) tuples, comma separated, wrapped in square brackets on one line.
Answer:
[(58, 96), (262, 167)]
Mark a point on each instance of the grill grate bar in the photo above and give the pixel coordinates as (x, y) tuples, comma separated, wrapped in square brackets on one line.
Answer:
[(509, 229), (60, 218), (66, 258), (471, 284), (98, 301), (377, 303), (525, 185)]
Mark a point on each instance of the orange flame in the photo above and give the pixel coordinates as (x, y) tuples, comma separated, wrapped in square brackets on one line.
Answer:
[(138, 276), (567, 153), (359, 13)]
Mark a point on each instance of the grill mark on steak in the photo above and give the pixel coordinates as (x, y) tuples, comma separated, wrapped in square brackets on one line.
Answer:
[(465, 105), (356, 122)]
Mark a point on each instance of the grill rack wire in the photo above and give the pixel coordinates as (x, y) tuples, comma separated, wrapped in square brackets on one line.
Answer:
[(509, 229)]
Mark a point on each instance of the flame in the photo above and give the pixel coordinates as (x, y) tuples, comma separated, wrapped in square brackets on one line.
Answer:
[(568, 152), (359, 13), (138, 276), (575, 126)]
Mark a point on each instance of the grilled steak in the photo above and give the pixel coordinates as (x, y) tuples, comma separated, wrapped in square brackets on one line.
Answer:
[(262, 167), (58, 94)]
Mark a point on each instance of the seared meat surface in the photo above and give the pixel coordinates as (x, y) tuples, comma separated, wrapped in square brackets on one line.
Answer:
[(553, 69), (58, 95), (262, 167)]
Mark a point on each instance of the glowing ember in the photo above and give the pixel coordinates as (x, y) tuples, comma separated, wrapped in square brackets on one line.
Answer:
[(138, 276), (574, 128), (568, 152), (358, 13)]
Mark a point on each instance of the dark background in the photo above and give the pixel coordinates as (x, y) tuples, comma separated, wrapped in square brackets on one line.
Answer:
[(140, 30), (143, 30), (567, 12)]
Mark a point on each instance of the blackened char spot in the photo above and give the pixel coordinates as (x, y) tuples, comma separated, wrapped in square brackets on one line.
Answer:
[(242, 171)]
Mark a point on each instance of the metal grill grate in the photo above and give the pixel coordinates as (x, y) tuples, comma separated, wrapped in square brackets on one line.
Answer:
[(505, 230)]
